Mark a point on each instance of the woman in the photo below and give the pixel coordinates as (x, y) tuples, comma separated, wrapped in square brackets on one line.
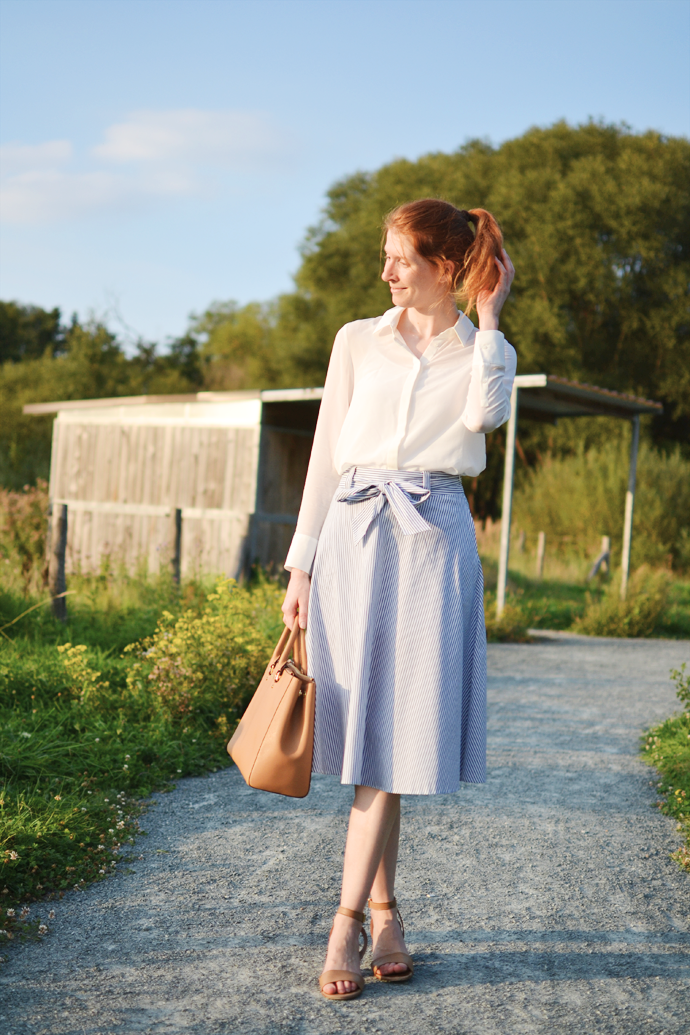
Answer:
[(396, 638)]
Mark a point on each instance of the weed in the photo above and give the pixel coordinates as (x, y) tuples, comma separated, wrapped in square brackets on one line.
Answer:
[(23, 523), (638, 615), (667, 748), (511, 627)]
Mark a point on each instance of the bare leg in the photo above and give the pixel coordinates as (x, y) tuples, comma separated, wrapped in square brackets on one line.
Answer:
[(373, 815), (382, 888), (386, 934)]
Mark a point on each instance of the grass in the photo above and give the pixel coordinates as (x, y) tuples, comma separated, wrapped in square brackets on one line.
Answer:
[(667, 748), (563, 599), (88, 731)]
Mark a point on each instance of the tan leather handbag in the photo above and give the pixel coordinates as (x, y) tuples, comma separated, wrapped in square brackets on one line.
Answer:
[(274, 742)]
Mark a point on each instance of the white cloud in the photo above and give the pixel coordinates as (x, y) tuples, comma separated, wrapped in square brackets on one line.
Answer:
[(43, 197), (191, 136), (153, 155), (20, 158)]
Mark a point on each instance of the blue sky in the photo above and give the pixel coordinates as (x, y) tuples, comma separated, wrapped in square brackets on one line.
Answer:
[(160, 154)]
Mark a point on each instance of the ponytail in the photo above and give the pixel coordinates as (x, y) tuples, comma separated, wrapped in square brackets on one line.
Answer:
[(480, 272)]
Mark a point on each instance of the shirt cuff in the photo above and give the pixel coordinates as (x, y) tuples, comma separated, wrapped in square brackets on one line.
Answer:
[(489, 349), (301, 553)]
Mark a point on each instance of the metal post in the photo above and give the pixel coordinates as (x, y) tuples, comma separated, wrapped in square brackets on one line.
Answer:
[(177, 554), (57, 581), (629, 507), (507, 503)]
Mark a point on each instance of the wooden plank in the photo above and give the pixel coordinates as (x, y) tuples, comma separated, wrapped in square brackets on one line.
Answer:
[(220, 451), (164, 495), (123, 459), (229, 467), (88, 484), (157, 485), (138, 464), (247, 468)]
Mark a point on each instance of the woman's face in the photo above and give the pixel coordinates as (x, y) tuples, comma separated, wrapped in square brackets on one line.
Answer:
[(415, 283)]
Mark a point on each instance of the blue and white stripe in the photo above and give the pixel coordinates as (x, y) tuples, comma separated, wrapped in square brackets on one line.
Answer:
[(396, 638)]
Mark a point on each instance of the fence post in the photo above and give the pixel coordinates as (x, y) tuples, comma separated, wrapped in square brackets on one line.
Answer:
[(606, 553), (629, 506), (177, 552), (57, 581), (603, 561), (541, 550)]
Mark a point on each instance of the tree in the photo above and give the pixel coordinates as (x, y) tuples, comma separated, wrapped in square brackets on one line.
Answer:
[(235, 345), (26, 331)]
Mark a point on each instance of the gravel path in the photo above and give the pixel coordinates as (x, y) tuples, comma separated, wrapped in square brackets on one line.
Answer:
[(543, 902)]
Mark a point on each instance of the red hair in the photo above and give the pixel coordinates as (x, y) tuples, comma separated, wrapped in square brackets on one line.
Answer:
[(441, 233)]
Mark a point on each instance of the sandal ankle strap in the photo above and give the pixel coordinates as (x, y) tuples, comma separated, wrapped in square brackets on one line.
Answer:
[(388, 905), (352, 913), (383, 905)]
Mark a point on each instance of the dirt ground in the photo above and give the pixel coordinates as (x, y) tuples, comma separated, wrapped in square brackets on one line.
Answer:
[(542, 902)]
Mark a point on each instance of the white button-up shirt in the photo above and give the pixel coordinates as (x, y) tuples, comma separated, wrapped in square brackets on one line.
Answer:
[(384, 407)]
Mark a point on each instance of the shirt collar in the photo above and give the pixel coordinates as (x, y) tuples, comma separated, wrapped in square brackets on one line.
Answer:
[(463, 329)]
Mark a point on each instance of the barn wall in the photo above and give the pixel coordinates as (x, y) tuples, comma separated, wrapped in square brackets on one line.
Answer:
[(122, 482)]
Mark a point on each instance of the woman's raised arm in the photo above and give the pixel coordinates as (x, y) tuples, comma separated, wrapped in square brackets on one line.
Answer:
[(495, 359)]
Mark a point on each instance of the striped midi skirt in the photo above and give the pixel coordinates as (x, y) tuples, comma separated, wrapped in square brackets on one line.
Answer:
[(396, 639)]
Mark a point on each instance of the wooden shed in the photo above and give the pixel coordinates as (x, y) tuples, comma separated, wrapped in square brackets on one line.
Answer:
[(226, 469)]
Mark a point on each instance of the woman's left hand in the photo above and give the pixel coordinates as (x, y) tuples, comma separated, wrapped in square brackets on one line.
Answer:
[(490, 303)]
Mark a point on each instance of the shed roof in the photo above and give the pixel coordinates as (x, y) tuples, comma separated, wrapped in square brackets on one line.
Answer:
[(542, 397), (271, 395), (548, 397)]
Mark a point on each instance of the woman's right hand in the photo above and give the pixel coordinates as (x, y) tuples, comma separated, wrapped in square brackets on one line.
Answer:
[(490, 303), (297, 598)]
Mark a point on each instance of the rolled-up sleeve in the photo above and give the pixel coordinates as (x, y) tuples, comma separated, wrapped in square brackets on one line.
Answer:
[(493, 371)]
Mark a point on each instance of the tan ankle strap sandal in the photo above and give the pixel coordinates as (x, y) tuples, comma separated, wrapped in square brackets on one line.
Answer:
[(391, 957), (329, 977)]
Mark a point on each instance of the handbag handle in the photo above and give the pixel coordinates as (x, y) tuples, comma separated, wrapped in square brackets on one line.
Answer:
[(288, 641), (300, 652), (279, 647), (292, 641)]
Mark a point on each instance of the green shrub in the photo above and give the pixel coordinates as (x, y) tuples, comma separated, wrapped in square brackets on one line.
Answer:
[(203, 665), (638, 615), (577, 499), (86, 733), (667, 748), (511, 627)]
